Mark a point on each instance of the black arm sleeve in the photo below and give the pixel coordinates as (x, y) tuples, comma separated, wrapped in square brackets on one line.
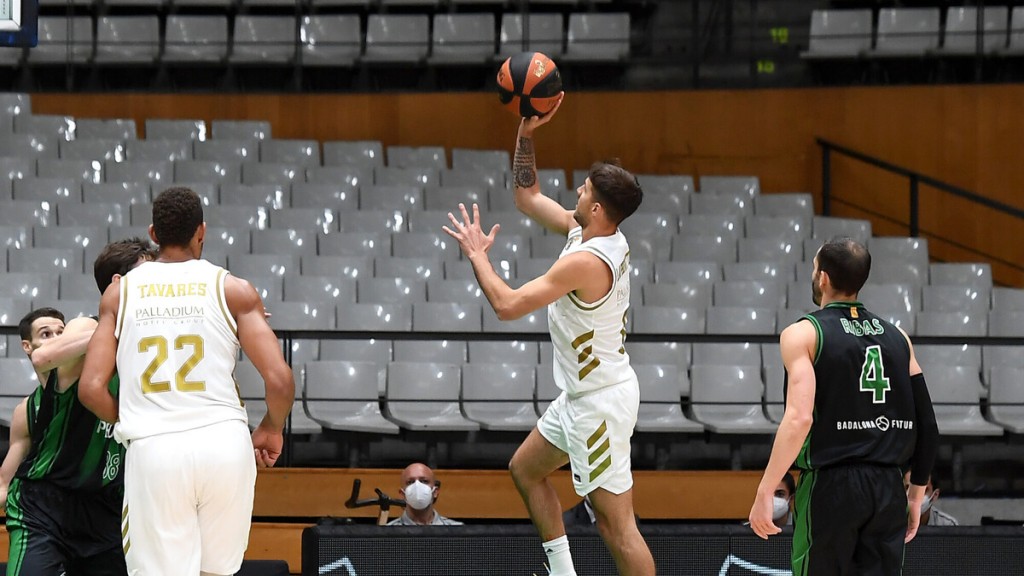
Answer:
[(927, 433)]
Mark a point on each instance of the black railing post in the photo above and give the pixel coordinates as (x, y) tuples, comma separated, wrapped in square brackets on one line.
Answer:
[(915, 226), (826, 178)]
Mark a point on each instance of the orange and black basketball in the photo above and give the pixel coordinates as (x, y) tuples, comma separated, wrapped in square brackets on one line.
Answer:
[(529, 84)]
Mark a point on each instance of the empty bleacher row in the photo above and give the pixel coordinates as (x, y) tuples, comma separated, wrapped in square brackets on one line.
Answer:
[(322, 40), (345, 237)]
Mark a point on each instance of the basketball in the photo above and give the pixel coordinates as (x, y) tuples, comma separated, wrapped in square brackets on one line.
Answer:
[(529, 84)]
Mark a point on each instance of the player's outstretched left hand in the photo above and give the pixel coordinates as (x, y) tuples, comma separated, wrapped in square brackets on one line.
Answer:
[(469, 234)]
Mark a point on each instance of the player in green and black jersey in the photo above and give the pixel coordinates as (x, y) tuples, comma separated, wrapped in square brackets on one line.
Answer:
[(64, 501), (857, 412)]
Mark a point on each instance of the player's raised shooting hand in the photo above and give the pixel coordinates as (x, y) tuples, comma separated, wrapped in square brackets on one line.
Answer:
[(469, 234), (530, 124)]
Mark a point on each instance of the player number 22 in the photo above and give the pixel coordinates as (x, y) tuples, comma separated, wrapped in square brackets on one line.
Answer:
[(181, 381)]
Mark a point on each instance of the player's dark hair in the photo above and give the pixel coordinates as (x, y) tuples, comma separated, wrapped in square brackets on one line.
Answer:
[(617, 190), (177, 214), (847, 263), (120, 257), (25, 326)]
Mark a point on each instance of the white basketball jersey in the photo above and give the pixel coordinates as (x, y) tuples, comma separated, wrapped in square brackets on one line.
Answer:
[(588, 338), (176, 351)]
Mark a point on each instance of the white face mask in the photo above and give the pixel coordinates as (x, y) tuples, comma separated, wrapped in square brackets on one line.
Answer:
[(926, 503), (418, 495), (780, 506)]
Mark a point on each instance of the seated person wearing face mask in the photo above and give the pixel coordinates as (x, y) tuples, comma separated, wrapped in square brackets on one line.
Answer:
[(930, 515), (782, 514), (420, 492)]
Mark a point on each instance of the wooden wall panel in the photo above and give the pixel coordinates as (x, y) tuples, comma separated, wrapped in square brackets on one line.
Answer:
[(970, 136)]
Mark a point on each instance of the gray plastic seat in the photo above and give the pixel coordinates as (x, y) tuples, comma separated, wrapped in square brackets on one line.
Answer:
[(889, 297), (57, 45), (66, 237), (391, 197), (722, 203), (660, 400), (741, 186), (727, 399), (718, 249), (308, 288), (786, 252), (679, 354), (302, 315), (196, 39), (444, 351), (397, 38), (514, 352), (163, 129), (98, 214), (725, 225), (425, 396), (977, 275), (284, 151), (744, 353), (952, 324), (454, 290), (157, 150), (906, 32), (360, 350), (780, 272), (353, 153), (74, 170), (343, 395), (103, 150), (774, 382), (423, 268), (54, 126), (331, 40), (424, 245), (1006, 398), (38, 286), (16, 168), (284, 241), (685, 295), (228, 241), (472, 160), (252, 391), (215, 172), (481, 179), (18, 380), (535, 322), (948, 355), (530, 268), (438, 198), (156, 172), (462, 39), (668, 320), (79, 286), (766, 294), (246, 265), (353, 175), (280, 173), (597, 37), (241, 129), (792, 227), (740, 320), (375, 317), (254, 217), (272, 196), (17, 237), (955, 392), (952, 298), (354, 244), (827, 227), (29, 146), (127, 40), (500, 396), (227, 150), (417, 157), (838, 34), (376, 221), (263, 39), (1006, 324), (546, 34), (105, 129), (419, 176), (391, 291), (45, 260), (270, 287), (307, 195), (547, 390), (351, 267), (993, 356), (318, 220), (894, 272), (447, 317), (899, 249), (687, 272), (1016, 43), (960, 34), (1004, 298), (28, 213), (799, 204)]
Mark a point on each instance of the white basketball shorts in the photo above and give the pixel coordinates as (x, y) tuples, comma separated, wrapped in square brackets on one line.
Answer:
[(188, 500), (594, 430)]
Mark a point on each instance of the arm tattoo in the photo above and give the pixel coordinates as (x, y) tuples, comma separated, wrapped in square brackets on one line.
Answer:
[(523, 165)]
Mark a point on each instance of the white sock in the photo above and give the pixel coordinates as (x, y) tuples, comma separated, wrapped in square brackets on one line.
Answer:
[(559, 558)]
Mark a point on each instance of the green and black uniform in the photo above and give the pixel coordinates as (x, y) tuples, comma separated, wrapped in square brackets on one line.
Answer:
[(64, 503), (851, 507)]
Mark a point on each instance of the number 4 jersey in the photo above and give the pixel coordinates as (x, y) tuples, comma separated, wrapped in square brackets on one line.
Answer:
[(863, 402), (176, 351)]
